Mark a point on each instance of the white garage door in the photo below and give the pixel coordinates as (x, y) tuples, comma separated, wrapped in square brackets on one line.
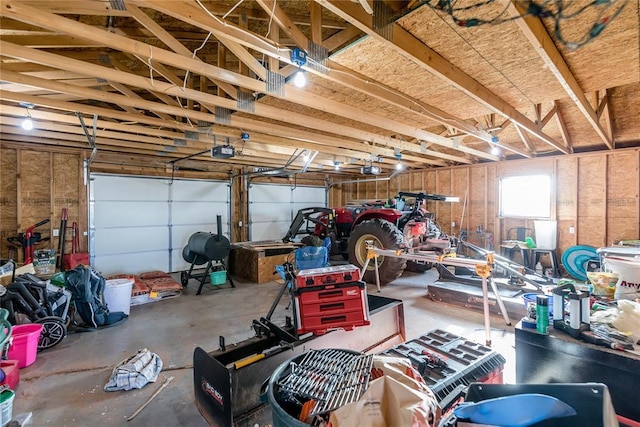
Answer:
[(273, 207), (142, 224)]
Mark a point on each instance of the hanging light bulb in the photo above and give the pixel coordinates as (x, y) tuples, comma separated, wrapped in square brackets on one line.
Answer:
[(495, 150), (399, 166), (305, 156), (27, 123), (299, 80), (336, 165)]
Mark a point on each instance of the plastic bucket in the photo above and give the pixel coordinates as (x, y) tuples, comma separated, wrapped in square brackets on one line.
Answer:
[(117, 295), (628, 271), (546, 234), (6, 406), (282, 418), (24, 343), (531, 298), (218, 277)]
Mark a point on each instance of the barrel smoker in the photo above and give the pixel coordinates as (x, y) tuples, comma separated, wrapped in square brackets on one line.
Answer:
[(206, 248)]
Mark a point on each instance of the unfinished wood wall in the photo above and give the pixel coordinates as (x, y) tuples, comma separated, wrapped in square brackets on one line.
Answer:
[(35, 184), (595, 194)]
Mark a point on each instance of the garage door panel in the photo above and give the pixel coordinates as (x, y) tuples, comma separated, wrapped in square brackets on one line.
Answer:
[(134, 189), (109, 241), (126, 214), (188, 190), (267, 212), (262, 193), (135, 263), (274, 230), (180, 233), (312, 196), (199, 212)]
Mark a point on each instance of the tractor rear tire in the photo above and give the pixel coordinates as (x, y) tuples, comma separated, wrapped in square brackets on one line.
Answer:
[(385, 235)]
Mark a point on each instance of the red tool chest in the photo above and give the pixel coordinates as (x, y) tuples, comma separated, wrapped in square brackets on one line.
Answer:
[(341, 306), (328, 276)]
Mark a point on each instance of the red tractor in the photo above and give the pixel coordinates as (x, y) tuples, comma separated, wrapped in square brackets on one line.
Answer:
[(389, 225)]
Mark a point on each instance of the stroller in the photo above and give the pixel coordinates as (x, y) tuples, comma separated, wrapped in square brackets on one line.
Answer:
[(30, 300)]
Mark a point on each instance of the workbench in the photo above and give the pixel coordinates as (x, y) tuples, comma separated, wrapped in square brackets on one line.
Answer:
[(560, 358)]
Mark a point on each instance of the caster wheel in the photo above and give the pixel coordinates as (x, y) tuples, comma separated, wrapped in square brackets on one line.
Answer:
[(184, 280), (53, 331)]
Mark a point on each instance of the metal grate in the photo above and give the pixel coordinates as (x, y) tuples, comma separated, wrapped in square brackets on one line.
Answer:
[(275, 83), (118, 4), (246, 102), (382, 20), (223, 115), (333, 378), (190, 134), (179, 142)]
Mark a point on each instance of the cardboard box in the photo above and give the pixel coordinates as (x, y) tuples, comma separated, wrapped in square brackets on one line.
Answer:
[(44, 261)]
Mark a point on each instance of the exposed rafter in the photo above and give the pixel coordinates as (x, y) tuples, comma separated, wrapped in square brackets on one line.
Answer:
[(411, 47), (536, 33)]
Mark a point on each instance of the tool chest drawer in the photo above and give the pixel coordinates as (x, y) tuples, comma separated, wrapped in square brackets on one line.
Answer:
[(321, 324), (328, 276), (325, 294), (333, 307)]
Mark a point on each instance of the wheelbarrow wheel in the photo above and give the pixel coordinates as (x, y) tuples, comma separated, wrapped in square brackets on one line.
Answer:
[(53, 331)]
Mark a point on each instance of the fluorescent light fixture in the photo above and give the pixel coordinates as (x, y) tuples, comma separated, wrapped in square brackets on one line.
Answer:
[(27, 123), (299, 80)]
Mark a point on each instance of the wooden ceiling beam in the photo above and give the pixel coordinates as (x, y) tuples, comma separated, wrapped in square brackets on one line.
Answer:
[(414, 49), (301, 137), (566, 138), (535, 31), (172, 43), (50, 41), (75, 7), (339, 39), (303, 120), (195, 16), (353, 80)]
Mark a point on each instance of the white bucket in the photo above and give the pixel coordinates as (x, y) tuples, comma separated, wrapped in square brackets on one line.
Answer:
[(628, 285), (117, 295), (6, 406), (546, 234)]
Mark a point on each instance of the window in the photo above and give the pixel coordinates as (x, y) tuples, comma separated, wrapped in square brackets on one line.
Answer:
[(526, 196)]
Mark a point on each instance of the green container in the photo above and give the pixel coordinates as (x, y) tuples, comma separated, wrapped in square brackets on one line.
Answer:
[(218, 277)]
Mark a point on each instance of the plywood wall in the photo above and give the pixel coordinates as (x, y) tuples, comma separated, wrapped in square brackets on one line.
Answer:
[(595, 196), (35, 184)]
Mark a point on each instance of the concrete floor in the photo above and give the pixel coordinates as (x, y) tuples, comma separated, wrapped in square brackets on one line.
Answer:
[(64, 387)]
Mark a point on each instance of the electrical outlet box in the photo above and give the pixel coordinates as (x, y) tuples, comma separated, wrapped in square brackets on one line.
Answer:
[(572, 230), (56, 232), (84, 233)]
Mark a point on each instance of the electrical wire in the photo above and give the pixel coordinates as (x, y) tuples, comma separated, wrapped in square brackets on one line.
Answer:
[(232, 9), (555, 10)]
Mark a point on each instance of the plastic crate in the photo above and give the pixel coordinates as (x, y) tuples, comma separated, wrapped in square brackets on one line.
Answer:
[(449, 363), (218, 277), (327, 276)]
